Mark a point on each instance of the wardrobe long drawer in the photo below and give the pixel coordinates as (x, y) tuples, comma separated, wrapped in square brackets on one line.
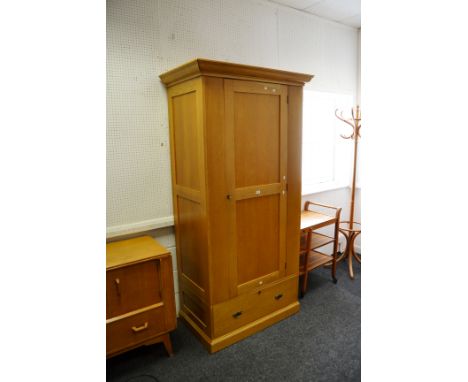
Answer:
[(132, 330), (249, 307), (133, 287)]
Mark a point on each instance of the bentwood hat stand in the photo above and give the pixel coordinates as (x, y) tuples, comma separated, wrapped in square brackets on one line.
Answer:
[(351, 229)]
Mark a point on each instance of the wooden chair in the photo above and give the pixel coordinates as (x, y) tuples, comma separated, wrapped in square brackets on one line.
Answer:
[(311, 240)]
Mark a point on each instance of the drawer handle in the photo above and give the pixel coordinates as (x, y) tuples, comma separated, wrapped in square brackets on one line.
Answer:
[(237, 314), (117, 283), (139, 329), (278, 296)]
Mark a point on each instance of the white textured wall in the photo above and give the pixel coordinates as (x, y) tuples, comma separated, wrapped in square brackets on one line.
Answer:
[(147, 37), (358, 86)]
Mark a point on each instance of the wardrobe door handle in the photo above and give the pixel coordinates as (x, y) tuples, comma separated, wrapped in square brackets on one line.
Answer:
[(140, 328), (237, 314), (278, 296)]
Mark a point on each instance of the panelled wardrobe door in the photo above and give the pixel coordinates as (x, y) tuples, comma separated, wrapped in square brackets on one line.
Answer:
[(256, 170)]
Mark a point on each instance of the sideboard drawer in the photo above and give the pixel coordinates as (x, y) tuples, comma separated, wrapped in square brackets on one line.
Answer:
[(251, 306), (140, 305), (132, 330), (133, 287)]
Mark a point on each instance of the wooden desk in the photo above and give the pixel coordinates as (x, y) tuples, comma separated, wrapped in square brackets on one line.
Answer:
[(311, 221)]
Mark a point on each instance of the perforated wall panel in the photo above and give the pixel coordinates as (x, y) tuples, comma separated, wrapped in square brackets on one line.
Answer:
[(147, 37)]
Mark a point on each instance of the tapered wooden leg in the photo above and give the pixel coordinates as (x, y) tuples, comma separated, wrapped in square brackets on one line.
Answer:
[(168, 344)]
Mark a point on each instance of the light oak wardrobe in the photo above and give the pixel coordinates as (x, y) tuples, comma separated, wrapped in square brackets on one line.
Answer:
[(235, 133)]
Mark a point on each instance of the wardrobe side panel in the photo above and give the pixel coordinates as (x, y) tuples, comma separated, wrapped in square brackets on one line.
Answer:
[(188, 177), (186, 137)]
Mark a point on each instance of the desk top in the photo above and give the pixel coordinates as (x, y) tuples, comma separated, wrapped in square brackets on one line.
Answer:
[(130, 251), (314, 220)]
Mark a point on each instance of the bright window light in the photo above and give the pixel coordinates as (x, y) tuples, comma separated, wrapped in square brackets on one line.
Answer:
[(326, 157)]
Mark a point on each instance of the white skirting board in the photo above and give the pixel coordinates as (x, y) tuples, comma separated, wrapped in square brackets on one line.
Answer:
[(140, 226)]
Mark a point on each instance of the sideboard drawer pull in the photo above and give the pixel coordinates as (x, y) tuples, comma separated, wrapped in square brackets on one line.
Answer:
[(139, 329), (278, 296), (117, 283), (237, 314)]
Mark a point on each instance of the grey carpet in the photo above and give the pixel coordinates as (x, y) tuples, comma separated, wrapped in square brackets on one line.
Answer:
[(320, 343)]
